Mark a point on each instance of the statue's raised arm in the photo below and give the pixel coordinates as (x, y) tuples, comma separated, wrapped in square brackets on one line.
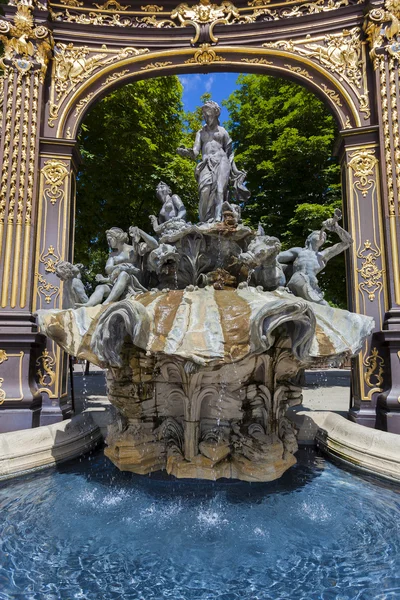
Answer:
[(345, 238)]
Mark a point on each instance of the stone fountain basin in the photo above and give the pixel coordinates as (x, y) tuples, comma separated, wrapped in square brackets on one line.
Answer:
[(202, 378), (207, 326)]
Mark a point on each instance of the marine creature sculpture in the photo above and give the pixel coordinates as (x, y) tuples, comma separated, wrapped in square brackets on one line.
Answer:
[(305, 263), (262, 262)]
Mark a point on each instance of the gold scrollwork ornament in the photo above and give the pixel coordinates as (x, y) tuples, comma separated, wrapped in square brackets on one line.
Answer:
[(373, 375), (363, 164), (370, 271), (45, 373), (54, 172), (205, 13), (205, 55)]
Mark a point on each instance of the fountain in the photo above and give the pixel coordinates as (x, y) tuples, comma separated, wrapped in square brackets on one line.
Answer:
[(204, 330)]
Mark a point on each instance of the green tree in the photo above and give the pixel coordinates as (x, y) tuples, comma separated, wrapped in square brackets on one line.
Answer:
[(128, 144), (283, 137)]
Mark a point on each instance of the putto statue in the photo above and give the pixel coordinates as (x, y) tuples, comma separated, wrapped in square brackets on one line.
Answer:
[(123, 270), (74, 290), (217, 168), (304, 264)]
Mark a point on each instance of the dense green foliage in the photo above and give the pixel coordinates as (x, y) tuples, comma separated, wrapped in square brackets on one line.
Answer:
[(283, 138), (128, 144)]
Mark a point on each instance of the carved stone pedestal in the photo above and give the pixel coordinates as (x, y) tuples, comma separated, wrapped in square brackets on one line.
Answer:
[(20, 347)]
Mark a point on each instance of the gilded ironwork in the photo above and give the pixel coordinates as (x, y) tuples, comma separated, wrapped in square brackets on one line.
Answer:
[(204, 56), (312, 8), (152, 8), (332, 94), (82, 103), (373, 375), (257, 61), (45, 373), (115, 77), (55, 173), (205, 13), (156, 65), (26, 47), (363, 163), (72, 3), (3, 356), (299, 71), (382, 27), (112, 5), (341, 54), (46, 289), (74, 64), (50, 259), (369, 271)]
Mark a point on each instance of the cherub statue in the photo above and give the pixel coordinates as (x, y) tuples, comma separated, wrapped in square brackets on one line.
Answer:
[(261, 259), (123, 269), (304, 264), (74, 290), (172, 206)]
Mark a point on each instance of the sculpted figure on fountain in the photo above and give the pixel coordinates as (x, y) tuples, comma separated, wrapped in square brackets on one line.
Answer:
[(302, 265), (74, 290), (261, 259), (124, 269), (216, 169), (172, 206)]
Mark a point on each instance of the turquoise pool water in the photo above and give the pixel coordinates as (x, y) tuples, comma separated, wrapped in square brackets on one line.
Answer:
[(87, 531)]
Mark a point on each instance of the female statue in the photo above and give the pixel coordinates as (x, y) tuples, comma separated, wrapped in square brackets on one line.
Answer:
[(217, 168), (172, 205), (123, 268)]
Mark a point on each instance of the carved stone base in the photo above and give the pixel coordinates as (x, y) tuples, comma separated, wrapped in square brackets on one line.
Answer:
[(142, 453), (204, 422)]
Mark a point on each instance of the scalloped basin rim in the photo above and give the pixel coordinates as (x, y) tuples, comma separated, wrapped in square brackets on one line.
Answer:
[(208, 326)]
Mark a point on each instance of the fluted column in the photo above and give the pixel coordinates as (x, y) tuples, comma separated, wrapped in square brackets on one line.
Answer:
[(27, 49), (381, 29)]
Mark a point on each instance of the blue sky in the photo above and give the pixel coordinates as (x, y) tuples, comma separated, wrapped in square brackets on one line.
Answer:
[(220, 86)]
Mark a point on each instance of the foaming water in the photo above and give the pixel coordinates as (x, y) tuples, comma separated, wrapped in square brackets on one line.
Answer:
[(87, 531)]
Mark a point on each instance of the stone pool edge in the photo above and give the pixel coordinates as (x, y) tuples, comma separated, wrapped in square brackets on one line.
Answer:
[(369, 450), (28, 450)]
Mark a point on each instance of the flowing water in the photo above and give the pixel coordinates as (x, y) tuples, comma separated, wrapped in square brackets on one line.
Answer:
[(87, 531)]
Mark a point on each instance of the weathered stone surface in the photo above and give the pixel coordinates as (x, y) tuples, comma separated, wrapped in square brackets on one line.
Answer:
[(203, 378), (31, 449), (208, 326)]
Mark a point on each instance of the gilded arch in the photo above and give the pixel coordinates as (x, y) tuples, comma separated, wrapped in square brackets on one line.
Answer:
[(63, 56)]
